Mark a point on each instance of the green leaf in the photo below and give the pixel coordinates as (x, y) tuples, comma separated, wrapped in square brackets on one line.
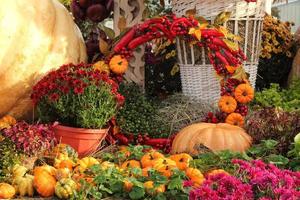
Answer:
[(137, 171), (240, 74), (277, 159), (221, 18), (117, 186), (137, 193), (160, 196), (175, 184), (270, 144), (234, 46)]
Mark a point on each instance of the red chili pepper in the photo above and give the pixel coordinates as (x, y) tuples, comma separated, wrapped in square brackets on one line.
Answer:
[(211, 58), (221, 58), (140, 40), (179, 20), (220, 43), (151, 21), (125, 39), (122, 138), (242, 55), (157, 141), (211, 32), (233, 60), (162, 28)]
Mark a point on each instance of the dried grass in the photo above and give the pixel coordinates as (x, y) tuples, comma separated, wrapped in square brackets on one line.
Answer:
[(178, 111)]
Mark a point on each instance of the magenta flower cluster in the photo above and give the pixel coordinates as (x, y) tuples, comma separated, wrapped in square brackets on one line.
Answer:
[(253, 180), (222, 187), (31, 139), (268, 181)]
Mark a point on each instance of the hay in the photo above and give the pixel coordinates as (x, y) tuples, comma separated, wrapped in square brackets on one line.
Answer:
[(178, 111)]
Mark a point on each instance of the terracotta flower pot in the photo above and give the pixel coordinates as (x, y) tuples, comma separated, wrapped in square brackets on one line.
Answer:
[(84, 141)]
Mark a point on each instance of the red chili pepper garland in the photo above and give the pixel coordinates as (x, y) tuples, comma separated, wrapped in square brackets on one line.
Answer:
[(219, 53)]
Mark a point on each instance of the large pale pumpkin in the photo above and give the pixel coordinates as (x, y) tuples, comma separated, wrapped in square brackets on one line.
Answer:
[(36, 36), (216, 137)]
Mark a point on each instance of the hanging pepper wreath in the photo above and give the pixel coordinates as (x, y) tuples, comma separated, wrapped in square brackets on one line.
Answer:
[(223, 52)]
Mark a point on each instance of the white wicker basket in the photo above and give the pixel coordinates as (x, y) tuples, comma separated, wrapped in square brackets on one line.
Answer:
[(197, 75)]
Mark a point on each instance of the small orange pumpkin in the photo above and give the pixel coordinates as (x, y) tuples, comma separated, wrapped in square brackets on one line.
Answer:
[(166, 170), (131, 164), (182, 160), (62, 173), (128, 186), (244, 93), (124, 149), (149, 186), (195, 175), (118, 65), (235, 119), (217, 171), (7, 191), (65, 164), (44, 182), (9, 120), (227, 104), (161, 162), (45, 168), (145, 171), (148, 160)]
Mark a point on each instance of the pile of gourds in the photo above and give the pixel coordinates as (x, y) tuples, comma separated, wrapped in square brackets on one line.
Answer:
[(63, 178)]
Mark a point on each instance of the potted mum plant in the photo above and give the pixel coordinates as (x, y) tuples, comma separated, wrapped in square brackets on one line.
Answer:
[(82, 100)]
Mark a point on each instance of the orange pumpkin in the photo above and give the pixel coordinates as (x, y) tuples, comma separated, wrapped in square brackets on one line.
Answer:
[(145, 171), (215, 137), (227, 104), (44, 182), (235, 119), (159, 162), (62, 173), (65, 164), (124, 149), (7, 191), (244, 93), (149, 186), (9, 120), (217, 171), (131, 164), (45, 168), (195, 175), (149, 158), (128, 186), (118, 65), (165, 170), (182, 160)]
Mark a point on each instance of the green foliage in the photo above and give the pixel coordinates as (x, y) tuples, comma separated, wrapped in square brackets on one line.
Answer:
[(92, 109), (288, 99), (267, 151), (139, 114), (9, 156), (220, 160), (276, 124)]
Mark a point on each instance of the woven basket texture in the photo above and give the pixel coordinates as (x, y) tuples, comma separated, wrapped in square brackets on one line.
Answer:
[(197, 75)]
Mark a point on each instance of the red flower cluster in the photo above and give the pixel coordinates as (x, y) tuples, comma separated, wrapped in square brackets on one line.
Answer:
[(72, 78)]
